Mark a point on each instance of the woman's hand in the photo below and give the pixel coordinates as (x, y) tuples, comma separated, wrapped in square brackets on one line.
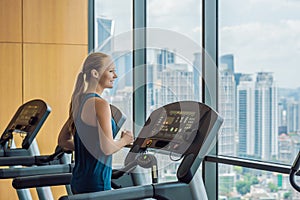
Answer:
[(127, 136)]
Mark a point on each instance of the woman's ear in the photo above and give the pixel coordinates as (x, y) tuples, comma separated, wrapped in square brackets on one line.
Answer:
[(95, 73)]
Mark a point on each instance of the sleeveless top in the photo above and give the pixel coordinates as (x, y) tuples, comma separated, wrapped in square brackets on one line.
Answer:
[(93, 169)]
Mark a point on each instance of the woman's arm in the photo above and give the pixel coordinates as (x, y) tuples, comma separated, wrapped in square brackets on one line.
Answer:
[(65, 137), (107, 143)]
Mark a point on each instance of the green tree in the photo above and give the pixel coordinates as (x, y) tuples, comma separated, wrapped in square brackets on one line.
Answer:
[(238, 169), (254, 180), (287, 195), (273, 187), (243, 187)]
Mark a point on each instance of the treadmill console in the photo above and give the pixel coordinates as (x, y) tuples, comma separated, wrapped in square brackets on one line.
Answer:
[(172, 131), (27, 120), (187, 128)]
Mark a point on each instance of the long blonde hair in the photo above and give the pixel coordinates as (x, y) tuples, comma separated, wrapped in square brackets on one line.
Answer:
[(93, 61)]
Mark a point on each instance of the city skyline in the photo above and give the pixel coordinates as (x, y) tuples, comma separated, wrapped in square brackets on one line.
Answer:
[(252, 33)]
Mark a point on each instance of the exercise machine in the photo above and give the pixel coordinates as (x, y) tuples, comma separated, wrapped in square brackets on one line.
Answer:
[(294, 170), (26, 122), (54, 158), (186, 130), (42, 164), (49, 164)]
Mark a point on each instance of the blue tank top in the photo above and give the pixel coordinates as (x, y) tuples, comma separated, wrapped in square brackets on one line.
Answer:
[(93, 169)]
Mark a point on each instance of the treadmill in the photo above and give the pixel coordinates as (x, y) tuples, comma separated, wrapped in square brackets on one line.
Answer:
[(26, 122), (45, 160), (57, 162), (293, 172), (185, 129)]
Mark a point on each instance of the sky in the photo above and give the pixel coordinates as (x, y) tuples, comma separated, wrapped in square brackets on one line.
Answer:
[(263, 35)]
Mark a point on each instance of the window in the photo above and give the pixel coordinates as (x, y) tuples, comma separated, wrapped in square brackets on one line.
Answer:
[(258, 51), (258, 55), (173, 58), (112, 35), (173, 52)]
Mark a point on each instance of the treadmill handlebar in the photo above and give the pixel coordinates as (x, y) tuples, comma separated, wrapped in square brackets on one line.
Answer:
[(296, 163), (41, 181), (33, 160), (293, 171), (58, 153)]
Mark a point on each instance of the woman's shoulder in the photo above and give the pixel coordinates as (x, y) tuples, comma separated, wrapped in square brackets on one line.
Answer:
[(101, 103), (93, 99)]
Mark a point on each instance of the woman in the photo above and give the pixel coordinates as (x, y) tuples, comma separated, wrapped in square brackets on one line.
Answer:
[(90, 129)]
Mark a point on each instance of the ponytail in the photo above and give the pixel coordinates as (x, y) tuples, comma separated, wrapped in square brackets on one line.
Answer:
[(75, 101)]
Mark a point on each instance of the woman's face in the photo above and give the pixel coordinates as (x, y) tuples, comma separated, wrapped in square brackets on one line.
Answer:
[(109, 75)]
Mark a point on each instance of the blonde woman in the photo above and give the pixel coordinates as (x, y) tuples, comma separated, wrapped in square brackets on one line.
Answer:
[(90, 129)]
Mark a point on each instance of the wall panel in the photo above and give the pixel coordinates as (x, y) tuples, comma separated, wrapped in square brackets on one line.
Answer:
[(49, 73), (10, 81), (10, 20), (55, 21), (11, 97)]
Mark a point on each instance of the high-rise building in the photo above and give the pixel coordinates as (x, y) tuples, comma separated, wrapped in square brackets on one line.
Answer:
[(103, 34), (293, 115), (197, 69), (227, 106), (282, 117), (167, 80), (165, 57), (245, 106), (177, 84), (266, 113), (123, 63), (285, 148)]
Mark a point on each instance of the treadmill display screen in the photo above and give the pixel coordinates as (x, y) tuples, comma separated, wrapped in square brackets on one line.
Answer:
[(26, 114), (172, 130), (176, 122)]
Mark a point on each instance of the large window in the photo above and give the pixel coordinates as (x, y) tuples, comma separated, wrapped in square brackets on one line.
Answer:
[(112, 35), (258, 92), (173, 52), (173, 59), (113, 23), (258, 88)]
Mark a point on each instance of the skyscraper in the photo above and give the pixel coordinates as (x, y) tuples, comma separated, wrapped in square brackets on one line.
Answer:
[(245, 106), (104, 32), (123, 63), (227, 106), (293, 115), (177, 84), (164, 58), (266, 115), (197, 69)]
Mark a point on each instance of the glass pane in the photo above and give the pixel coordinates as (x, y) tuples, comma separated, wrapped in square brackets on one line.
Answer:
[(259, 53), (173, 52), (113, 24), (173, 58), (245, 183), (259, 95)]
